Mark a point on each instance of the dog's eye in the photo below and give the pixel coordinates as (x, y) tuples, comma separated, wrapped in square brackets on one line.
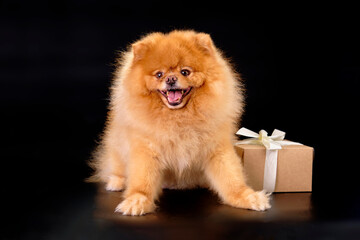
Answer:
[(159, 74), (185, 72)]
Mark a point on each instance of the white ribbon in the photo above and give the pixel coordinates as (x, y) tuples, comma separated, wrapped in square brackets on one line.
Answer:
[(272, 144)]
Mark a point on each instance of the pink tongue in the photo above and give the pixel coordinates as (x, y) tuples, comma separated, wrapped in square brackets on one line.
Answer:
[(174, 96)]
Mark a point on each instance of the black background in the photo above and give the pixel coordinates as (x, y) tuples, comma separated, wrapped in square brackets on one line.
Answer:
[(300, 64)]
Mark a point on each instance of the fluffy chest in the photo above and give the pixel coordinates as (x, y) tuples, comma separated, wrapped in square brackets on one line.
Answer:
[(182, 150)]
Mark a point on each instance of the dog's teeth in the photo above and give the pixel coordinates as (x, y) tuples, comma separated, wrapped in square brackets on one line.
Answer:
[(167, 93), (182, 92)]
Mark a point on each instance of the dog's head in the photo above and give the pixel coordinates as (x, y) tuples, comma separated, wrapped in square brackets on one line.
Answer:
[(174, 65)]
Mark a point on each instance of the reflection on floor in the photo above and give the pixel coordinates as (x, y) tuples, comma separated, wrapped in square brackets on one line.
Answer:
[(202, 205)]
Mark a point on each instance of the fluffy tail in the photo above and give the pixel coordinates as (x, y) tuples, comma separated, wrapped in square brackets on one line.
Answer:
[(94, 163)]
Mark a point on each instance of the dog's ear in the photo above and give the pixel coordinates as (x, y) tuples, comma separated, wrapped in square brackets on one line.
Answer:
[(141, 47), (139, 50), (205, 43)]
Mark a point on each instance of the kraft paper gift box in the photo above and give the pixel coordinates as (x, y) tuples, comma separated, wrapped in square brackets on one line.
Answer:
[(290, 170)]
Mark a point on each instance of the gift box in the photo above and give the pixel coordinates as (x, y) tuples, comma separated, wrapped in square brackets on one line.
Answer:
[(274, 164)]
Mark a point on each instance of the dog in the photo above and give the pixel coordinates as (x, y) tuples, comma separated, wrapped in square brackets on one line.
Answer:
[(175, 106)]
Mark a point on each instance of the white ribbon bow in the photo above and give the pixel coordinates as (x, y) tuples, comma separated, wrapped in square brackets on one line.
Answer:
[(272, 144)]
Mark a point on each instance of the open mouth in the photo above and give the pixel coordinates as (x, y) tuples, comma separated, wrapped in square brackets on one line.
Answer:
[(175, 96)]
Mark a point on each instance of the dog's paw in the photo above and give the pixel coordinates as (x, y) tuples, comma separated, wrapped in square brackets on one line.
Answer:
[(136, 205), (258, 201), (249, 199), (115, 183)]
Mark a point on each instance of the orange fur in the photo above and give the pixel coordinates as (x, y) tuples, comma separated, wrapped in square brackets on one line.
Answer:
[(149, 144)]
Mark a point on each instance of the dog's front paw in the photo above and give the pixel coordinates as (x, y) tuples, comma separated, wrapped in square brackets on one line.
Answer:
[(249, 199), (136, 205), (258, 201)]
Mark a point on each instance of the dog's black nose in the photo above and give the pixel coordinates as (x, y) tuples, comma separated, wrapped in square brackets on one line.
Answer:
[(171, 80)]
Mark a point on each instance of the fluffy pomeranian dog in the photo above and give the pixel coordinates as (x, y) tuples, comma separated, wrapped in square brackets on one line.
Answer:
[(175, 105)]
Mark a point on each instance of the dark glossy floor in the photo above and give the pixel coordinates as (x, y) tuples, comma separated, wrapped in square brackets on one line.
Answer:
[(202, 206), (87, 212)]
